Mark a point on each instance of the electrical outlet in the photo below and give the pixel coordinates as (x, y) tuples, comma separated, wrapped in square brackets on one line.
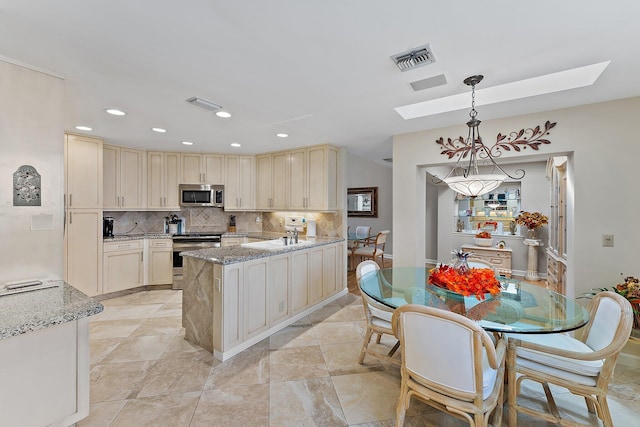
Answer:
[(607, 240)]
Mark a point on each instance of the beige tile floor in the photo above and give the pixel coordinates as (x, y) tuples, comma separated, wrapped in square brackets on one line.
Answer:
[(143, 373)]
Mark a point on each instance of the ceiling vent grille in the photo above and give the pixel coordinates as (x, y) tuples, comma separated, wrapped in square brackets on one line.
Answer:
[(414, 58), (203, 103)]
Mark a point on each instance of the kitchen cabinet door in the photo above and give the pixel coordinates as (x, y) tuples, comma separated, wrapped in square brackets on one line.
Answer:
[(83, 250), (232, 308), (264, 182), (316, 274), (280, 183), (329, 270), (239, 184), (123, 178), (191, 166), (163, 175), (299, 281), (213, 169), (280, 287), (298, 179), (256, 297), (160, 262), (322, 193), (123, 265), (83, 172)]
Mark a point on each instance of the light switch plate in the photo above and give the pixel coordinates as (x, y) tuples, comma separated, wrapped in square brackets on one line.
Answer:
[(607, 240)]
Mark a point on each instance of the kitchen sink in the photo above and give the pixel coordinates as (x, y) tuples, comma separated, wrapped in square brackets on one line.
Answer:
[(274, 244)]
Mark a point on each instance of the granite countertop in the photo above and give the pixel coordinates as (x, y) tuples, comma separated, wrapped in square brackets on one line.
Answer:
[(235, 254), (125, 237), (38, 309)]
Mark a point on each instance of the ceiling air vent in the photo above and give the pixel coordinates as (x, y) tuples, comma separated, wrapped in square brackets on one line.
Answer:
[(414, 58), (203, 103)]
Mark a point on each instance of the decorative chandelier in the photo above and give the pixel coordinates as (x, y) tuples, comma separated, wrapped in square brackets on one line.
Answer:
[(472, 183)]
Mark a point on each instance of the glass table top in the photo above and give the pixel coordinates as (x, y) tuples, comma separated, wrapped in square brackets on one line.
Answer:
[(519, 308)]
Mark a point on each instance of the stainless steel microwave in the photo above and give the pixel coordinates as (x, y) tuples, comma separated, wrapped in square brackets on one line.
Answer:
[(202, 195)]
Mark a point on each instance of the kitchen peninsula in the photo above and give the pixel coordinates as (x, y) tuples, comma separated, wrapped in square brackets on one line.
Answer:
[(44, 348), (234, 297)]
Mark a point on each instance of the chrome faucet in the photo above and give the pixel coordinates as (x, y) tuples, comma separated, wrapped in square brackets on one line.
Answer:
[(295, 234)]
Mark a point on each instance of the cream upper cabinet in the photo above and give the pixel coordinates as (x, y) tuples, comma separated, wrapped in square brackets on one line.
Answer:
[(322, 193), (264, 183), (280, 172), (83, 172), (197, 168), (163, 179), (239, 185), (313, 178), (124, 185), (298, 176)]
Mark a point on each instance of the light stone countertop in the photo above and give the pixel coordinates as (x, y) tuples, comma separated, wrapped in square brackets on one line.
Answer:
[(126, 237), (30, 311), (235, 254)]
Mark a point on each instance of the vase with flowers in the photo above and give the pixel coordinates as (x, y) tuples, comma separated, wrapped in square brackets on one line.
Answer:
[(531, 220)]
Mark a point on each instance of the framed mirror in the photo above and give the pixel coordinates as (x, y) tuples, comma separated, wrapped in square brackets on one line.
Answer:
[(362, 202)]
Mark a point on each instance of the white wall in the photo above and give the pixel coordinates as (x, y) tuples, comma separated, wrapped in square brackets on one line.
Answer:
[(365, 173), (31, 133), (603, 167)]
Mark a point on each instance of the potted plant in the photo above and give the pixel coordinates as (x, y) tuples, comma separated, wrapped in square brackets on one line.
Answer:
[(630, 289)]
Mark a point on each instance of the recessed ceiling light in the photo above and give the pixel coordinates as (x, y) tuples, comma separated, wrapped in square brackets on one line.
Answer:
[(282, 135), (223, 114), (159, 130), (115, 111), (87, 128), (187, 142), (549, 83), (235, 144)]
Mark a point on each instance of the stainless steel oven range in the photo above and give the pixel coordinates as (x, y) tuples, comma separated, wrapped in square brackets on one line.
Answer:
[(190, 242)]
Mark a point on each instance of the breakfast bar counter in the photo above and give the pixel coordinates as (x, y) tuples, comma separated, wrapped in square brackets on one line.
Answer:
[(234, 297), (44, 349)]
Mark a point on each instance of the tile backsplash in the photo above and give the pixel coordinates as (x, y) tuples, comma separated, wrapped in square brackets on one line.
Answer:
[(217, 220)]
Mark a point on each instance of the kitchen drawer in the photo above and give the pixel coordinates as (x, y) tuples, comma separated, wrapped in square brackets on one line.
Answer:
[(124, 246), (160, 243)]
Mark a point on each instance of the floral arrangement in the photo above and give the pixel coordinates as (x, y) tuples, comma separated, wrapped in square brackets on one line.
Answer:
[(532, 220), (630, 289), (478, 281), (483, 235)]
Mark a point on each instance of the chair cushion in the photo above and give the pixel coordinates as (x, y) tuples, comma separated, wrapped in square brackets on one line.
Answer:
[(381, 314), (367, 251), (590, 368)]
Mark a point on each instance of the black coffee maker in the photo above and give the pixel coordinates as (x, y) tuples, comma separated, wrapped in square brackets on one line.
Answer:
[(107, 226)]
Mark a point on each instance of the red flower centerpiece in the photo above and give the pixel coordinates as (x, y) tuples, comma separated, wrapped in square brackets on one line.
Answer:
[(478, 281)]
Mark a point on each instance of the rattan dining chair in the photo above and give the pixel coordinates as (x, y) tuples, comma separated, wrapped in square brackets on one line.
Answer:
[(450, 363), (583, 365), (378, 318)]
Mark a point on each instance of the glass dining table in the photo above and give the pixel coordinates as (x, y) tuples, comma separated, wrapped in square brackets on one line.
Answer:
[(520, 307)]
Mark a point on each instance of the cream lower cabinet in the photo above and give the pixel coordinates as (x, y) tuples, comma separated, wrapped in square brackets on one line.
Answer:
[(123, 265), (256, 297), (83, 250), (300, 261), (160, 262), (280, 287)]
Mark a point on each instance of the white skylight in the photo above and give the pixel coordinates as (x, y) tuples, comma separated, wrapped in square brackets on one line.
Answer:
[(549, 83)]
